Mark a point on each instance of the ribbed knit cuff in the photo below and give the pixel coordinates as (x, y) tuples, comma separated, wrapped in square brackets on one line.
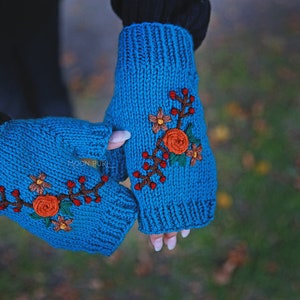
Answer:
[(178, 216), (147, 44)]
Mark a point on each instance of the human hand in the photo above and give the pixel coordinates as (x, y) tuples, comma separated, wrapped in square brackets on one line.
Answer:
[(169, 160), (48, 190), (169, 239)]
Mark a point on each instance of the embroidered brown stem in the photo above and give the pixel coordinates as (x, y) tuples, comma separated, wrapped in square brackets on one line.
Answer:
[(83, 191), (4, 203), (153, 169), (186, 101)]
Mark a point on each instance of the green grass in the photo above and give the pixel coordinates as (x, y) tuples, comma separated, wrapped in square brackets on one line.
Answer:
[(258, 76)]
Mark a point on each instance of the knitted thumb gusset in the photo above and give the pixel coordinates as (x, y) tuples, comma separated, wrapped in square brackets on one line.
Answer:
[(49, 191), (169, 160)]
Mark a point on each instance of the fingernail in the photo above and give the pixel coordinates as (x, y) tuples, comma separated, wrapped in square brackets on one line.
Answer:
[(158, 244), (171, 244), (119, 136), (185, 233)]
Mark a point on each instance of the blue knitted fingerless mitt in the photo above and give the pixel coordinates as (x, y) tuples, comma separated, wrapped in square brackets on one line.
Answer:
[(169, 160), (49, 191)]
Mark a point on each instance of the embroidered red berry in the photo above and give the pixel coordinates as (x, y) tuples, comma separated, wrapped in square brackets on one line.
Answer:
[(162, 179), (81, 179), (2, 207), (185, 91), (146, 166), (98, 199), (77, 202), (145, 154), (15, 193), (71, 184), (87, 199), (172, 95), (104, 178), (152, 185), (2, 189), (192, 99), (138, 187), (166, 155), (191, 110), (163, 164), (136, 174), (16, 209), (174, 111)]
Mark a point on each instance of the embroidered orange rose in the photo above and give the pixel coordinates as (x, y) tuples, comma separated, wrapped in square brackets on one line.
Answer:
[(46, 206), (176, 141)]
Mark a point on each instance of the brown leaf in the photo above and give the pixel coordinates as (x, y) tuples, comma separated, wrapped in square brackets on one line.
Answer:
[(235, 258)]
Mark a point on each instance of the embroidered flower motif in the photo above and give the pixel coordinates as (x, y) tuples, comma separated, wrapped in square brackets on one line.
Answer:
[(176, 141), (195, 154), (62, 224), (159, 121), (46, 206), (173, 145), (39, 184)]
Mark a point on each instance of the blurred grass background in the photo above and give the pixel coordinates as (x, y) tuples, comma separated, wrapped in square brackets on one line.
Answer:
[(249, 68)]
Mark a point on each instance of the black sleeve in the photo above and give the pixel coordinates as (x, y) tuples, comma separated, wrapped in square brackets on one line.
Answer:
[(192, 15), (4, 118)]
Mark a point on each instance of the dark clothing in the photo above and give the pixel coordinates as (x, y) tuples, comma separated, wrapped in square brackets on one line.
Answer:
[(192, 15), (30, 77), (31, 83)]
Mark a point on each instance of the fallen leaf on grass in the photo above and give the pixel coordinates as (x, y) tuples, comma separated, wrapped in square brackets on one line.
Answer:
[(248, 160), (263, 167), (235, 110), (235, 258), (219, 134), (144, 266), (260, 126), (224, 200)]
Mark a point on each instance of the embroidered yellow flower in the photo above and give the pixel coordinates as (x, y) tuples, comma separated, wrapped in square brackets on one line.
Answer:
[(159, 121), (62, 224), (195, 154), (39, 184)]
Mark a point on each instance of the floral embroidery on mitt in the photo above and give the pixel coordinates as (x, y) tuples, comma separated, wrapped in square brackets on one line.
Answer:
[(175, 145), (50, 208)]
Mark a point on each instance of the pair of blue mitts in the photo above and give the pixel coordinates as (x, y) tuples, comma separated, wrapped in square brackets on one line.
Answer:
[(47, 189)]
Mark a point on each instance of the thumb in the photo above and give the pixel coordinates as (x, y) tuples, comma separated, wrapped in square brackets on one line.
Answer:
[(117, 139)]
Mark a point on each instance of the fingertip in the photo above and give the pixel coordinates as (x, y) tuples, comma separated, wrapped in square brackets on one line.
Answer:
[(171, 243), (185, 233), (156, 241), (158, 244)]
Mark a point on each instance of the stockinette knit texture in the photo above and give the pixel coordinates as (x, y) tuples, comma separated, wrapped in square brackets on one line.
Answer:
[(168, 158), (49, 191)]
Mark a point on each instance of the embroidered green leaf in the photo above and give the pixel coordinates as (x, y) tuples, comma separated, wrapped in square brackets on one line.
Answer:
[(190, 134), (47, 221), (65, 208), (181, 159), (35, 216)]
